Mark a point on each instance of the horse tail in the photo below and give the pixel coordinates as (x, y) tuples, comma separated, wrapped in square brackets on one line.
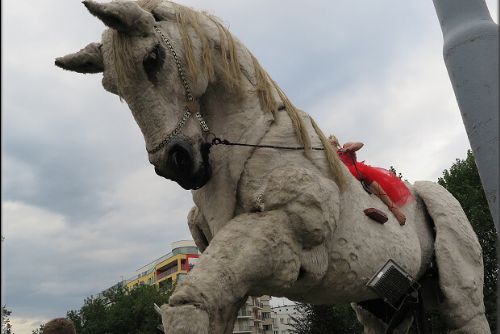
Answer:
[(459, 261)]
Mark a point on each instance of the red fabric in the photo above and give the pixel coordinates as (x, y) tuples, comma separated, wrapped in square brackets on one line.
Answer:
[(397, 191)]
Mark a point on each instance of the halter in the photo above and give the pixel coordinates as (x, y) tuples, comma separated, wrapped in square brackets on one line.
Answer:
[(191, 106)]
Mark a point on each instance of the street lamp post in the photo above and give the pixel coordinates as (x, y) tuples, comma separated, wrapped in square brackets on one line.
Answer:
[(471, 56)]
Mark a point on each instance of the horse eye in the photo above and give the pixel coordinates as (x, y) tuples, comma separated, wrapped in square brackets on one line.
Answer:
[(153, 62)]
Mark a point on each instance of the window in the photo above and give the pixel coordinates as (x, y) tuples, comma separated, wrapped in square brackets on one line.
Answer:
[(282, 320)]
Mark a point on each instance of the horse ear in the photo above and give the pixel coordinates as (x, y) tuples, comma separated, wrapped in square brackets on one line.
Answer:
[(124, 16), (87, 60)]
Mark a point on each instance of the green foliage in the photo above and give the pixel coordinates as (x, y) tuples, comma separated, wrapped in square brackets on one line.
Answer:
[(393, 171), (121, 311), (39, 330), (325, 319), (463, 182), (6, 325)]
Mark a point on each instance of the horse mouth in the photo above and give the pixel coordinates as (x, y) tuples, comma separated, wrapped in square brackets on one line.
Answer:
[(182, 164), (198, 180), (190, 182)]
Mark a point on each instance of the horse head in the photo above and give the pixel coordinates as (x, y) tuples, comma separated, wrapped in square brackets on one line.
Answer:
[(163, 59), (142, 62)]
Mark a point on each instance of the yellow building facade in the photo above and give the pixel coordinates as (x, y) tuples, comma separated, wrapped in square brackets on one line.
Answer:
[(169, 268)]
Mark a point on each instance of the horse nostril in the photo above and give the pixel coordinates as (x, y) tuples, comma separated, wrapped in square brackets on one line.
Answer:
[(179, 158), (182, 163)]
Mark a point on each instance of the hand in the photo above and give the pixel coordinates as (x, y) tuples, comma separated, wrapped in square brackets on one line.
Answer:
[(346, 149)]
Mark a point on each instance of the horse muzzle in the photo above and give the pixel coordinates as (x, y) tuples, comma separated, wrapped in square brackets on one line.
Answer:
[(184, 164)]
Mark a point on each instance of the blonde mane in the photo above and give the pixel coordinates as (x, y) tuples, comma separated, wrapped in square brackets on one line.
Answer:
[(231, 72)]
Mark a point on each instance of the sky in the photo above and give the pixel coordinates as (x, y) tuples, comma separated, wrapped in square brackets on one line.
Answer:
[(82, 207)]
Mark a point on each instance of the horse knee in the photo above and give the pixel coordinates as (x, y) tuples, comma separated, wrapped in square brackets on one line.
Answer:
[(184, 319)]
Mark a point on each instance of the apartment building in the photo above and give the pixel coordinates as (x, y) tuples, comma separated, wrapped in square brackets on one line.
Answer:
[(169, 268), (249, 319), (256, 317), (269, 322), (283, 318)]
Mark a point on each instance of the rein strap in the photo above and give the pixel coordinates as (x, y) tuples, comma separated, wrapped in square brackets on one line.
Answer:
[(218, 141)]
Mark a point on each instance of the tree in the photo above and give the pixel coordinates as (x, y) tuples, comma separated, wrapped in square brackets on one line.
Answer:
[(393, 171), (463, 182), (120, 311), (39, 330), (325, 319), (6, 325)]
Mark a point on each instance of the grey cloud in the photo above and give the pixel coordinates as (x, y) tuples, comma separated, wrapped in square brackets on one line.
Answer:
[(65, 263)]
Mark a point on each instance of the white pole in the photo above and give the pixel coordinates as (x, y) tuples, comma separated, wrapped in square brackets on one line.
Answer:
[(471, 56)]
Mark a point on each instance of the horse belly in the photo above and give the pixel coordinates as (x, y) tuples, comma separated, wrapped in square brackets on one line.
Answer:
[(360, 247)]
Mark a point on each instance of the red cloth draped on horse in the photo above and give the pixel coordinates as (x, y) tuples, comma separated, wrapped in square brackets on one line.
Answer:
[(381, 182), (392, 185)]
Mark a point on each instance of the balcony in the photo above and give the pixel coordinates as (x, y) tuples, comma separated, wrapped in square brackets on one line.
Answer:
[(242, 327), (185, 250), (244, 314), (163, 273), (267, 327), (254, 303), (257, 305)]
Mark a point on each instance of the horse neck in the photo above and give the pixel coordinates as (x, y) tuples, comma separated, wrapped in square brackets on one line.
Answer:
[(238, 118), (235, 115)]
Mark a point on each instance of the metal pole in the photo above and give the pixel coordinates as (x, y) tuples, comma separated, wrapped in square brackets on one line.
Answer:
[(471, 56)]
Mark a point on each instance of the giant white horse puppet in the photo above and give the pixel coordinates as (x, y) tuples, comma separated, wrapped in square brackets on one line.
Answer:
[(268, 221)]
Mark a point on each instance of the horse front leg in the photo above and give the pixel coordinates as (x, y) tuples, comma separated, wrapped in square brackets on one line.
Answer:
[(252, 253)]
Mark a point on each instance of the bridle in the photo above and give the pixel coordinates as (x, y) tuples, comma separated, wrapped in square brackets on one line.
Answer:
[(192, 106)]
